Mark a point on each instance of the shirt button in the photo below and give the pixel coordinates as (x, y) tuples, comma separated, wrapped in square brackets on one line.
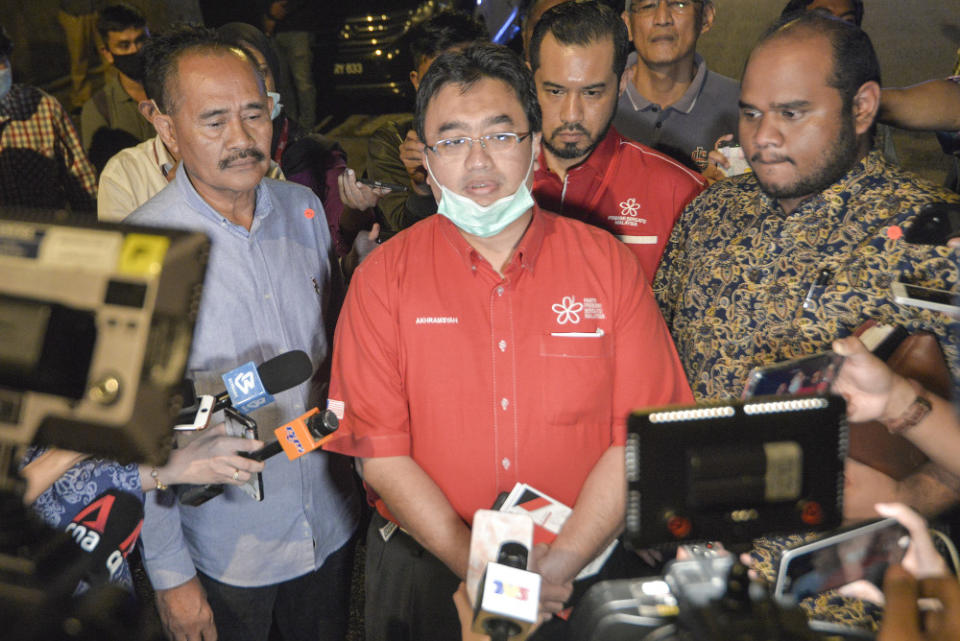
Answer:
[(504, 403), (266, 296), (505, 463), (502, 345), (500, 290), (473, 267)]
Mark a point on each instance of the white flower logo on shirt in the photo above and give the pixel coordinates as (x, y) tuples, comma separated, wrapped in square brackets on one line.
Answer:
[(568, 310), (629, 207)]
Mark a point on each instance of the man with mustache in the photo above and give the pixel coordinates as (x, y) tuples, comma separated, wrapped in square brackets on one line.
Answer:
[(776, 264), (587, 170), (233, 567)]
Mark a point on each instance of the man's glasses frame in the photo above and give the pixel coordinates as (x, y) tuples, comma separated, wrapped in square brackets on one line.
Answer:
[(460, 146)]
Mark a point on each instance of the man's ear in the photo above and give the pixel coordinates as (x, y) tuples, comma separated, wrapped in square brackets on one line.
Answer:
[(866, 102), (415, 79), (707, 15), (148, 110), (167, 131), (106, 53), (626, 20)]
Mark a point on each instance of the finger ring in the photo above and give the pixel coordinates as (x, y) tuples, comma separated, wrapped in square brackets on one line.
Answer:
[(236, 475)]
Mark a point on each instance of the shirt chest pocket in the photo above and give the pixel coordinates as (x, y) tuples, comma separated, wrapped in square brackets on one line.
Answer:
[(576, 377)]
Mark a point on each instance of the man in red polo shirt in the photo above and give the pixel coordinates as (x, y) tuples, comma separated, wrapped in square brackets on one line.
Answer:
[(587, 170), (493, 344)]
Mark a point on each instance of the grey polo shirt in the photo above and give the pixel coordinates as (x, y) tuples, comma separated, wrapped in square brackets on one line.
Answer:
[(706, 111)]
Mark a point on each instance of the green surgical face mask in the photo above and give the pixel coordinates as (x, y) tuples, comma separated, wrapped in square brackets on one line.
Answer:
[(478, 220)]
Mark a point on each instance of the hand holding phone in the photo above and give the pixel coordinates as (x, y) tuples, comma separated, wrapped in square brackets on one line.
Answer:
[(936, 299)]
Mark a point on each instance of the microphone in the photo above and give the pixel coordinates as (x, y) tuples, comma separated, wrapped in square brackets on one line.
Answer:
[(303, 434), (255, 386), (251, 387), (106, 530), (508, 596)]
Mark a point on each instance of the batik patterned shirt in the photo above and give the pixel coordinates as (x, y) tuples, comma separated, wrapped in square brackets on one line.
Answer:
[(743, 284), (78, 487)]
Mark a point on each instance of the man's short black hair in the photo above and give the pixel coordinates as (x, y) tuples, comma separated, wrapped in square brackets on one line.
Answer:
[(582, 23), (795, 6), (6, 44), (119, 17), (470, 65), (444, 30), (854, 59), (162, 53)]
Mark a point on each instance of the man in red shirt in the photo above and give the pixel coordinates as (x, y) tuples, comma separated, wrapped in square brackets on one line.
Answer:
[(493, 344), (587, 170)]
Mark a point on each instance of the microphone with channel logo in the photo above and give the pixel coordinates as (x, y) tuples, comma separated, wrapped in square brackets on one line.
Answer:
[(106, 530), (249, 388), (508, 595), (303, 434)]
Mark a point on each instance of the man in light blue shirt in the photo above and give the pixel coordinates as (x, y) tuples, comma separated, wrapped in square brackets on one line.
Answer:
[(232, 566)]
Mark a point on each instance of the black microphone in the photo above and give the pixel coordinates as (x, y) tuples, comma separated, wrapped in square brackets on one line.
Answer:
[(106, 530), (276, 375)]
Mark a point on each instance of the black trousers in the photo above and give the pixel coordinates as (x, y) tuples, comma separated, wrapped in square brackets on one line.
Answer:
[(312, 607), (409, 592)]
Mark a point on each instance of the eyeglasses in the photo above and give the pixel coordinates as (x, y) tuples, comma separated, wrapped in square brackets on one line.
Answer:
[(459, 147), (647, 7)]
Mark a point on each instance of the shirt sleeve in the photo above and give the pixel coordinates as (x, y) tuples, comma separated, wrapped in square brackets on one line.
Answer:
[(383, 163), (165, 553), (366, 384), (81, 188), (671, 274), (91, 120), (648, 372), (115, 200)]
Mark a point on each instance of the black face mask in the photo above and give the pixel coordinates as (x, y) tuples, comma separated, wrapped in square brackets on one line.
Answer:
[(131, 65)]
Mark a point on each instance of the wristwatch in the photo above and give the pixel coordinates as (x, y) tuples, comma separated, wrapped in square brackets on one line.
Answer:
[(915, 412)]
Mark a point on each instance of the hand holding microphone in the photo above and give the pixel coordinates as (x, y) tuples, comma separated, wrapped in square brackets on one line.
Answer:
[(555, 591), (213, 457)]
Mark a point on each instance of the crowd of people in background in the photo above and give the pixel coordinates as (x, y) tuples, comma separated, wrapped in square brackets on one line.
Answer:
[(552, 239)]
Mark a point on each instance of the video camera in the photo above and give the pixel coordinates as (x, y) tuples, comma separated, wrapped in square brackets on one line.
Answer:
[(97, 322), (730, 472)]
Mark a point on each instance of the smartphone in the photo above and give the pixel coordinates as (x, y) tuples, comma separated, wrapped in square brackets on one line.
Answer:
[(379, 184), (196, 417), (799, 377), (245, 427), (862, 552), (936, 299), (241, 426), (738, 161), (935, 224)]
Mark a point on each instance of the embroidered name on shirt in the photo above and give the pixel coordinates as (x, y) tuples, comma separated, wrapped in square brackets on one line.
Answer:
[(592, 308), (437, 320)]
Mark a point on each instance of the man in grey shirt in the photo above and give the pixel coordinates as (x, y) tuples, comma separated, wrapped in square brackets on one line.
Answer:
[(673, 103)]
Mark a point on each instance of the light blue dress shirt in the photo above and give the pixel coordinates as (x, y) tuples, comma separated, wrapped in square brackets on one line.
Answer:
[(265, 293)]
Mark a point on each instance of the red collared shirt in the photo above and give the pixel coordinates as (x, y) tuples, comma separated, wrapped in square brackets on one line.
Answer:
[(486, 381), (627, 188)]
